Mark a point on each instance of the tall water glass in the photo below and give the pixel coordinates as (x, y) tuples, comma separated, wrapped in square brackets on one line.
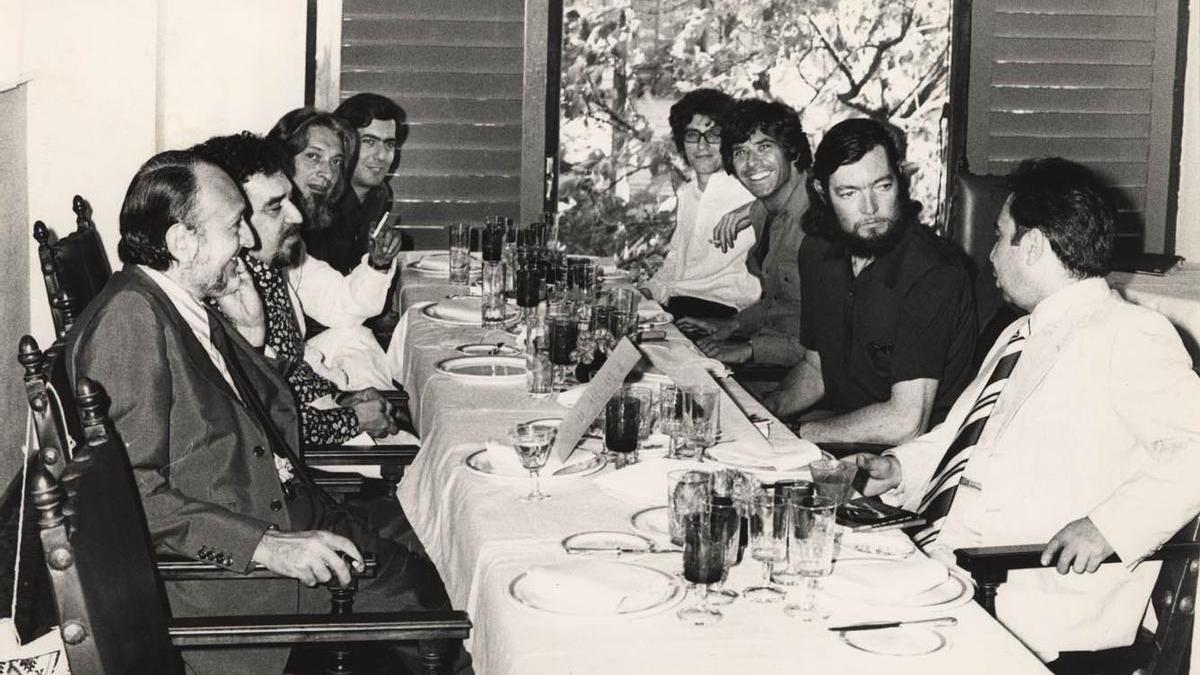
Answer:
[(688, 491), (622, 417), (491, 301), (724, 516), (787, 491), (705, 421), (674, 409), (460, 257), (704, 548), (532, 444), (810, 551), (768, 544), (563, 330)]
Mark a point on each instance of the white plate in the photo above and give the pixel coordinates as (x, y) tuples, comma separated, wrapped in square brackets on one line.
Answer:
[(439, 264), (460, 313), (579, 467), (654, 522), (899, 641), (498, 369), (635, 575), (607, 541), (488, 349), (654, 319), (955, 591)]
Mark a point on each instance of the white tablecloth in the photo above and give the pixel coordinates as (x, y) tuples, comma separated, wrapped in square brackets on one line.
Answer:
[(480, 537)]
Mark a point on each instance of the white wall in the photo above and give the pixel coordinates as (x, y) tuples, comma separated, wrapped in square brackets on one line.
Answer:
[(113, 82), (1187, 223)]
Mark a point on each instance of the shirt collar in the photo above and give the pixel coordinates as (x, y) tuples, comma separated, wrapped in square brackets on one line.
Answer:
[(194, 312), (886, 267), (1066, 302)]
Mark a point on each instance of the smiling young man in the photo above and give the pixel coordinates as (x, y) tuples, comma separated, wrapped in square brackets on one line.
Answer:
[(764, 146), (697, 279), (888, 316)]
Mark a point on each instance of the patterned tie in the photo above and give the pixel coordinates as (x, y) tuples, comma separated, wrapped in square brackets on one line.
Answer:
[(940, 494)]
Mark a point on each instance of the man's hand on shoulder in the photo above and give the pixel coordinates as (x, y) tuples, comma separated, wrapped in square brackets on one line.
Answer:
[(310, 556), (726, 231), (1079, 546)]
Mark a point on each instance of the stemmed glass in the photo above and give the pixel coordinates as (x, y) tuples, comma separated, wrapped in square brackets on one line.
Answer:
[(563, 330), (532, 443), (810, 551), (704, 551), (705, 419), (622, 417), (725, 516), (768, 544), (675, 408)]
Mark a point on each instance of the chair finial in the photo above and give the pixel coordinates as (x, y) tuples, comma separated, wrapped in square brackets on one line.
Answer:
[(29, 355), (41, 233), (46, 496)]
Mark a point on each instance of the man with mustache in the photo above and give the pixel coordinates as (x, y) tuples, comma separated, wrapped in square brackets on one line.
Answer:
[(763, 144), (257, 167), (888, 315)]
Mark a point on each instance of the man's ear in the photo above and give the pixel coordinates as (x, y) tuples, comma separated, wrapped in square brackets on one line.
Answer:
[(1033, 246), (182, 242), (818, 189)]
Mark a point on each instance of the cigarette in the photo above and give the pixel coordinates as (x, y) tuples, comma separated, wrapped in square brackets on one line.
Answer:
[(379, 227)]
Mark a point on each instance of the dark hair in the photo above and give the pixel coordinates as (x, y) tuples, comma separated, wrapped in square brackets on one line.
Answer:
[(243, 156), (777, 120), (1067, 203), (291, 133), (162, 193), (361, 109), (845, 143), (712, 103)]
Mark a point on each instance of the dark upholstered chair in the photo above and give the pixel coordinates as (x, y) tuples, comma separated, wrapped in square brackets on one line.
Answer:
[(74, 268), (95, 540), (1166, 652)]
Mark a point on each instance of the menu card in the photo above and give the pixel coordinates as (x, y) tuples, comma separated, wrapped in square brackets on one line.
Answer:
[(605, 382)]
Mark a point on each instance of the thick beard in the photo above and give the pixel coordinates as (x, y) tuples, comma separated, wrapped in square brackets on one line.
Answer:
[(288, 255), (318, 214), (873, 247)]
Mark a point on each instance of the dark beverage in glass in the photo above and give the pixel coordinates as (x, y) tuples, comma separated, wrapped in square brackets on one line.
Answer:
[(622, 415), (563, 331), (492, 241), (528, 286), (703, 554)]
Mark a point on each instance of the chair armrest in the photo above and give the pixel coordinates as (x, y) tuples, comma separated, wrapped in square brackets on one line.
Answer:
[(365, 627), (344, 455), (184, 569)]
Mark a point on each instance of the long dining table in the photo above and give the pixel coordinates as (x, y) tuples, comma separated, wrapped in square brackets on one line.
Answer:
[(482, 539)]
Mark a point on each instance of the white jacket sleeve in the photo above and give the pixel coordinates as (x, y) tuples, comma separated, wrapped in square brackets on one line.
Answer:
[(338, 300)]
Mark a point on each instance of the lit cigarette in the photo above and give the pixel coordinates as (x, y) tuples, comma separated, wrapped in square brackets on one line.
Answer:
[(379, 227)]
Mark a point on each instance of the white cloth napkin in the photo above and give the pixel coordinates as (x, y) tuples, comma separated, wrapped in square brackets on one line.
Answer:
[(763, 457), (593, 588), (677, 362), (505, 462), (460, 308), (433, 263), (881, 582), (645, 483)]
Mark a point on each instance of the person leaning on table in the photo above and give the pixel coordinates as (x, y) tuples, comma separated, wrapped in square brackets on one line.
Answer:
[(1093, 443)]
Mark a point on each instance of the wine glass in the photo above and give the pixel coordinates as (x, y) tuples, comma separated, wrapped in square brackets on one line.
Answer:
[(810, 551), (704, 549), (563, 331), (675, 406), (725, 517), (622, 417), (532, 443), (705, 419), (768, 544)]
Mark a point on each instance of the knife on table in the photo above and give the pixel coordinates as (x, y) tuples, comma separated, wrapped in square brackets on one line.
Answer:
[(877, 625)]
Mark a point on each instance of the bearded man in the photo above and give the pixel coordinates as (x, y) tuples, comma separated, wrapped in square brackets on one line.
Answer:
[(887, 316)]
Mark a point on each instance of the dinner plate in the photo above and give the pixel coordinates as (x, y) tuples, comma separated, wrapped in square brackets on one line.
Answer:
[(577, 467), (607, 541), (955, 591), (485, 369), (462, 311), (899, 641), (439, 264), (874, 545), (654, 522), (628, 575), (654, 319), (488, 349)]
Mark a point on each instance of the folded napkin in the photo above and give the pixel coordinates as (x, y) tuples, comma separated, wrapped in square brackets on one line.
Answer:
[(886, 581), (645, 483), (593, 587), (459, 308), (504, 460), (433, 263), (756, 456)]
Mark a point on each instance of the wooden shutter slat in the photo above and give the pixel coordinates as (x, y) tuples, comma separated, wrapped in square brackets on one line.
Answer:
[(1077, 27), (1072, 75), (464, 85), (1038, 50), (1082, 149), (434, 59), (1077, 125), (1015, 99), (360, 10), (419, 161), (449, 109), (1107, 7)]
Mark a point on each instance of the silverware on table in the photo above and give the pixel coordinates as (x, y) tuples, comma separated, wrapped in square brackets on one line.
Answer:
[(618, 550), (877, 625)]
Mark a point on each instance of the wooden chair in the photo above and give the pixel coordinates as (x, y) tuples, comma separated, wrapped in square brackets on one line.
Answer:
[(95, 540), (73, 267), (1166, 652)]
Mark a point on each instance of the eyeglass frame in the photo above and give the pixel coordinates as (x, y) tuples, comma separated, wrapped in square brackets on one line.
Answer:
[(711, 136)]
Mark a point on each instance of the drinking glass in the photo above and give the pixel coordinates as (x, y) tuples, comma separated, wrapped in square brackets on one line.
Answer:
[(491, 301), (768, 544), (810, 551), (622, 416), (687, 492), (833, 478), (675, 407), (532, 444), (491, 240), (724, 516), (704, 546), (460, 257), (705, 419), (648, 414), (563, 331), (625, 316), (787, 491), (527, 282)]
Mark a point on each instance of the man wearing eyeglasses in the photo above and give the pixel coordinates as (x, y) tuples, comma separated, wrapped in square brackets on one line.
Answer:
[(763, 144), (697, 279)]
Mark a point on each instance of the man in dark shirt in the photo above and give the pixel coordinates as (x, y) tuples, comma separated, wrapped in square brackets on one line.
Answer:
[(888, 317)]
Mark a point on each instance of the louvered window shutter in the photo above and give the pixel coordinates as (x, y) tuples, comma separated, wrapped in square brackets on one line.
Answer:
[(1089, 80), (455, 66)]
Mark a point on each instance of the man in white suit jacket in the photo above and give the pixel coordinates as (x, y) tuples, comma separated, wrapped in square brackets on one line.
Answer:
[(1094, 442)]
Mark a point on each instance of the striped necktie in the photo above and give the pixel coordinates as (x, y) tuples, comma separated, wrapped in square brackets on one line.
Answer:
[(939, 495)]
